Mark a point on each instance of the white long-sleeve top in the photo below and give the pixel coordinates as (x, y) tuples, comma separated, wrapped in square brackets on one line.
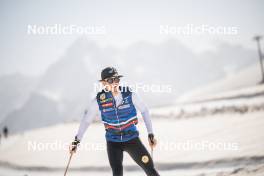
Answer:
[(93, 110)]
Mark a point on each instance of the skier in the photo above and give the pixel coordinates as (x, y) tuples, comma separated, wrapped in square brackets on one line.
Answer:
[(116, 105), (5, 132)]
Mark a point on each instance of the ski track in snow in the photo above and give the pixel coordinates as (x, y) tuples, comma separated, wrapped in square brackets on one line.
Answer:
[(212, 164)]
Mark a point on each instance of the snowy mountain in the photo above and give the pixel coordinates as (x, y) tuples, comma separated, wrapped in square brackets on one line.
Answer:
[(38, 111), (168, 63), (15, 89), (67, 86), (242, 79), (228, 59)]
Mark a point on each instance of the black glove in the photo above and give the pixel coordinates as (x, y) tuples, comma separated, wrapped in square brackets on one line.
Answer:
[(151, 138), (75, 144)]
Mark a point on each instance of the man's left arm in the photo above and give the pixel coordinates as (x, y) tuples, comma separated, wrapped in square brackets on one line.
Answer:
[(141, 106)]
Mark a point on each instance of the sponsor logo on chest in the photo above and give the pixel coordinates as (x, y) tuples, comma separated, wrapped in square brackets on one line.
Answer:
[(125, 100), (106, 100), (110, 104), (108, 109), (124, 106)]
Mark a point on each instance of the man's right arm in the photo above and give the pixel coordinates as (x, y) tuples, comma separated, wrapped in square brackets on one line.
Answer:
[(87, 119)]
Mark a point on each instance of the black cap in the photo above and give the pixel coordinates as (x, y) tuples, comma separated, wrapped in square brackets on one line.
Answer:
[(109, 72)]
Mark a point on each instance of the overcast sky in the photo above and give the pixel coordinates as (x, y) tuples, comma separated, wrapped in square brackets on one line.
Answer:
[(125, 22)]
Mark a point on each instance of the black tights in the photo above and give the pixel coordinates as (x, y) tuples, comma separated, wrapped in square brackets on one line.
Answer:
[(136, 150)]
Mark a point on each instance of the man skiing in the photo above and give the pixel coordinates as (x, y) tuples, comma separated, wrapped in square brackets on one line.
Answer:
[(117, 106)]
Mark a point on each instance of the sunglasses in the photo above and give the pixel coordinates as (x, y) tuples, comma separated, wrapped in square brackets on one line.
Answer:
[(113, 80)]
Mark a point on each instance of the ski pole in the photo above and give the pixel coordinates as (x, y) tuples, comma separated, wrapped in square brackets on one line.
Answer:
[(152, 152), (68, 164)]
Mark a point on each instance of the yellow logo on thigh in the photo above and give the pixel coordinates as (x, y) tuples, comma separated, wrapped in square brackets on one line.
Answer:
[(145, 159)]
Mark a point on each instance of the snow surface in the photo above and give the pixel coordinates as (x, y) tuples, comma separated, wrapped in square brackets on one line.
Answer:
[(245, 132)]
